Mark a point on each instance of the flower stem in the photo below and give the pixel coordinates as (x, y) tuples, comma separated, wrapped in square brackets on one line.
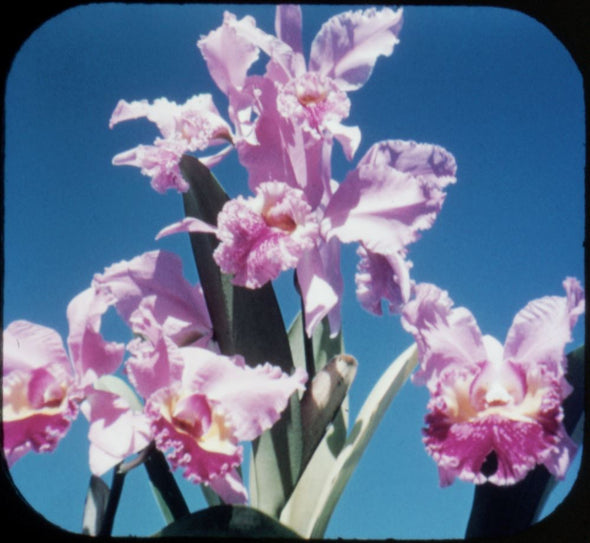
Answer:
[(113, 501), (307, 341), (171, 499)]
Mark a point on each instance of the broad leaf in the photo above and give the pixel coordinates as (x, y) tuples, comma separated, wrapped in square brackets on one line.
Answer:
[(228, 521), (246, 322), (95, 506), (500, 511), (365, 425)]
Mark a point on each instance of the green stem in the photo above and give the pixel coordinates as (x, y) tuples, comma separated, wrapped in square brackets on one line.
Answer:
[(307, 341), (165, 484), (114, 495)]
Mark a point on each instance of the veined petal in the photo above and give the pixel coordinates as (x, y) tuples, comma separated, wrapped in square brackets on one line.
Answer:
[(541, 330), (288, 26), (203, 451), (178, 306), (461, 449), (92, 356), (252, 399), (395, 191), (27, 345), (382, 277), (347, 46), (444, 335), (228, 53), (115, 432), (321, 285)]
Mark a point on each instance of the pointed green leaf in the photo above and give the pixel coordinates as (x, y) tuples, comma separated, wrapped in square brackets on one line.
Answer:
[(500, 511), (228, 521), (95, 506), (365, 425), (246, 322)]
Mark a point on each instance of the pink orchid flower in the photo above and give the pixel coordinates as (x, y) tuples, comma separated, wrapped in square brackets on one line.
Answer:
[(194, 125), (44, 388), (151, 288), (288, 118), (489, 400), (395, 191), (200, 404)]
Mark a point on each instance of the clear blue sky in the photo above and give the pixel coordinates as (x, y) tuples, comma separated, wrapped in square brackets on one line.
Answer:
[(493, 86)]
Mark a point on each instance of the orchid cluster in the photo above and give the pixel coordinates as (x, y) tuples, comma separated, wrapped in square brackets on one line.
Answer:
[(181, 388)]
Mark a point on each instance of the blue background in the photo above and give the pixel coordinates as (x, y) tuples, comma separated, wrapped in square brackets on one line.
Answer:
[(491, 85)]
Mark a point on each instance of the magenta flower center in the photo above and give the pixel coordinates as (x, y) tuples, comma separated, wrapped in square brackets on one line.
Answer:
[(39, 392), (313, 100), (311, 91)]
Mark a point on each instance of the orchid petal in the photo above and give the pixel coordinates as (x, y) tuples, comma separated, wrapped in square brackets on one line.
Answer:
[(27, 345), (395, 191), (486, 399), (210, 453), (382, 277), (153, 364), (445, 336), (265, 235), (288, 26), (115, 432), (227, 53), (252, 399), (230, 488), (92, 356), (320, 282), (159, 162), (179, 307), (347, 46), (187, 225), (541, 330)]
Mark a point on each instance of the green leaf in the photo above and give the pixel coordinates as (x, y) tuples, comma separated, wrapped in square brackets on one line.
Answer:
[(299, 508), (365, 425), (116, 385), (164, 486), (246, 322), (228, 521), (506, 510), (324, 347), (95, 506)]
